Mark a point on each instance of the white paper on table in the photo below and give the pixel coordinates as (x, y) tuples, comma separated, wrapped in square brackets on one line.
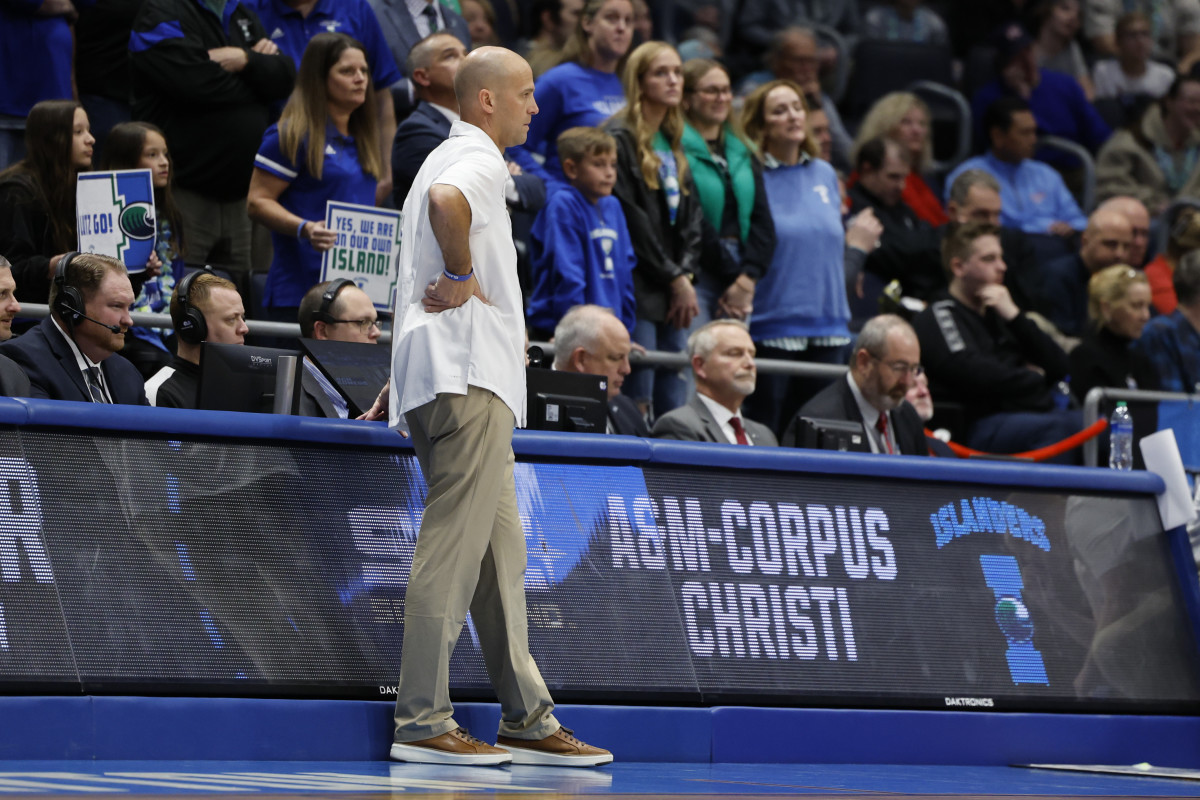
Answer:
[(1161, 454)]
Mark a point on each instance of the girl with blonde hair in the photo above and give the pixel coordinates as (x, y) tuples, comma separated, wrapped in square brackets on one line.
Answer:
[(663, 214), (1118, 309)]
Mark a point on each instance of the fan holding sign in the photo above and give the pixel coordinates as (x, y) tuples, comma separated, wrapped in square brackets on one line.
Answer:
[(325, 148)]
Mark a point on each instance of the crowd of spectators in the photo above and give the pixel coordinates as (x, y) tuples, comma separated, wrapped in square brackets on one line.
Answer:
[(691, 184)]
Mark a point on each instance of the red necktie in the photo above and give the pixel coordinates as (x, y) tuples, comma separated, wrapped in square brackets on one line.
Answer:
[(738, 431), (881, 426)]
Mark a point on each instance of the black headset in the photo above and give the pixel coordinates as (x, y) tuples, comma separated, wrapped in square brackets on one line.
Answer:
[(68, 301), (329, 296), (192, 327)]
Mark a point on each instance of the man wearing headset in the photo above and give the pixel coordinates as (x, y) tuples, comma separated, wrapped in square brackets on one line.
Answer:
[(72, 354), (336, 311), (204, 308)]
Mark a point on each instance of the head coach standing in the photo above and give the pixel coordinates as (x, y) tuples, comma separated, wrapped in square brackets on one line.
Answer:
[(72, 354), (458, 385)]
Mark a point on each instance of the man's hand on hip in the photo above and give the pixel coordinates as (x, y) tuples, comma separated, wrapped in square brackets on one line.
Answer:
[(444, 293)]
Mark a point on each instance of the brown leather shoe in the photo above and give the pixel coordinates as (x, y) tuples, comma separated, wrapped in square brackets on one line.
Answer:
[(559, 749), (455, 747)]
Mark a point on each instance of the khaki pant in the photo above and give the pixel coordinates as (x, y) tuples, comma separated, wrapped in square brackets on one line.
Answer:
[(470, 554)]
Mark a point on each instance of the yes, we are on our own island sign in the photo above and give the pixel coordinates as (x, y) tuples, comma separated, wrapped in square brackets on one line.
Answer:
[(367, 250)]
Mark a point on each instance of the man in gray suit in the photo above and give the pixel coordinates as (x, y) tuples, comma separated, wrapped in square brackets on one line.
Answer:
[(722, 356)]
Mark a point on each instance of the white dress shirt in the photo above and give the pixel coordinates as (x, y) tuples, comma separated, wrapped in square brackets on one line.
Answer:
[(722, 415), (870, 415), (476, 344)]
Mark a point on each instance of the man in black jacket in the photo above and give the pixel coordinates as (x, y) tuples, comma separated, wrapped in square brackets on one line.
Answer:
[(982, 351), (209, 80), (590, 339), (908, 248), (975, 197), (886, 361)]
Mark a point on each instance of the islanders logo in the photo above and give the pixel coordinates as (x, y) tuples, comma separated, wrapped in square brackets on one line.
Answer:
[(1001, 573), (137, 221)]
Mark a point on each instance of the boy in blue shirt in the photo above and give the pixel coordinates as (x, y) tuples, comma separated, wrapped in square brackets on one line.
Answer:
[(581, 248)]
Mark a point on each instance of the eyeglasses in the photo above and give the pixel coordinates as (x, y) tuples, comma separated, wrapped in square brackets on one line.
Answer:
[(365, 324), (900, 367), (713, 92)]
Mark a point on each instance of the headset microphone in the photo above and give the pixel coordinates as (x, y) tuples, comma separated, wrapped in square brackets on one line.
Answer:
[(113, 328)]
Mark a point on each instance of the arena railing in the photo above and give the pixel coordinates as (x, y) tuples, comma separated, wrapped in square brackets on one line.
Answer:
[(653, 358), (1091, 413)]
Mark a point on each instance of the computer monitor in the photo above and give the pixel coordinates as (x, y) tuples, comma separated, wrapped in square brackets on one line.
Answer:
[(358, 370), (238, 377), (833, 434), (566, 401)]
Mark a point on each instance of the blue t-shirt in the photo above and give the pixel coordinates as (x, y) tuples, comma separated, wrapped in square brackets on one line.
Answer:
[(803, 293), (1032, 194), (291, 32), (297, 265), (35, 56), (668, 174), (568, 96), (581, 253)]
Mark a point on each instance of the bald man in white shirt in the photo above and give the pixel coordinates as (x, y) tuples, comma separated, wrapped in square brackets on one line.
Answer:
[(458, 385)]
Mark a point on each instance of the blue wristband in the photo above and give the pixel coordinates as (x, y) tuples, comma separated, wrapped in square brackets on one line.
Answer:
[(300, 229), (459, 278)]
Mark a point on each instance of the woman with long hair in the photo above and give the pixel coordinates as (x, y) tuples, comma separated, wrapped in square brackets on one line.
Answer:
[(904, 117), (740, 235), (662, 211), (583, 89), (324, 147), (801, 312), (37, 195), (140, 145)]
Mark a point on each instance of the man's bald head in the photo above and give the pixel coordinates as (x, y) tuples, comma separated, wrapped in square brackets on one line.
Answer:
[(487, 68), (494, 87), (1139, 219), (1106, 240)]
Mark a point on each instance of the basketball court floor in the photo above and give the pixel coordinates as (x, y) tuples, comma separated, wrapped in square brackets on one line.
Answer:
[(229, 779)]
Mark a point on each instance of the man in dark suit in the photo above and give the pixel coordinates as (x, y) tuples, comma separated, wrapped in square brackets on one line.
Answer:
[(432, 65), (722, 356), (406, 22), (590, 339), (886, 360), (335, 311), (72, 354)]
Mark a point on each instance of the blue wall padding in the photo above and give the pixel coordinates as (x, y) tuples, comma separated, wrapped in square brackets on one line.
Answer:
[(46, 727), (164, 728), (856, 736)]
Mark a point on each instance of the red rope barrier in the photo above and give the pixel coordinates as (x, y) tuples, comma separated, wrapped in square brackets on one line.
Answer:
[(1042, 453)]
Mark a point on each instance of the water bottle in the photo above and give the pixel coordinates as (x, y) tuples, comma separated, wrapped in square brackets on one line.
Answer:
[(1120, 436)]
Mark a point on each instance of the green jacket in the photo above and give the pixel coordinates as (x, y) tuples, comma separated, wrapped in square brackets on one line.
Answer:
[(709, 182)]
